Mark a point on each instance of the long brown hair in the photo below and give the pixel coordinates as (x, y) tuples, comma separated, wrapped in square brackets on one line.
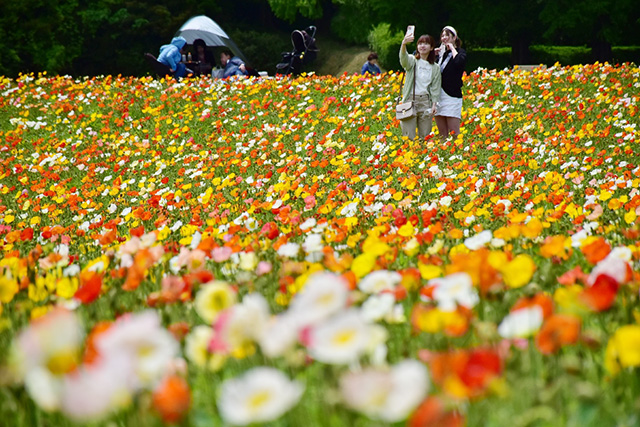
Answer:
[(426, 38)]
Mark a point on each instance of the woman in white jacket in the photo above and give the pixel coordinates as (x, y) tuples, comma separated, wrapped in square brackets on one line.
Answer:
[(421, 85)]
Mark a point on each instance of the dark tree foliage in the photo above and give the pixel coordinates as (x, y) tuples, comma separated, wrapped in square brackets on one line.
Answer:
[(107, 36), (94, 37), (598, 24)]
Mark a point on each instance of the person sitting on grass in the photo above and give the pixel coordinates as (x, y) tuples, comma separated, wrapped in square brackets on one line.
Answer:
[(232, 65), (371, 66), (203, 57)]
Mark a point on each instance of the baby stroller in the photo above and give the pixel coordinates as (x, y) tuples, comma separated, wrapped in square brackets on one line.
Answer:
[(304, 52)]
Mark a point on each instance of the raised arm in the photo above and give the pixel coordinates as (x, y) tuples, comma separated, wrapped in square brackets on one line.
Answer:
[(405, 60)]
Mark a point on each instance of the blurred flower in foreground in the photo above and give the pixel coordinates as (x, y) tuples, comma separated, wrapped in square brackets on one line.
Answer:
[(259, 395), (386, 394), (343, 338), (464, 373), (623, 349), (521, 323), (213, 298), (451, 291), (433, 413), (149, 347), (558, 330), (526, 316), (279, 336), (97, 389), (48, 349), (196, 348), (380, 280), (172, 398), (240, 326), (323, 295)]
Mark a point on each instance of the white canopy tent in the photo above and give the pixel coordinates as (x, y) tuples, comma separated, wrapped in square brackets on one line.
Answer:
[(205, 28)]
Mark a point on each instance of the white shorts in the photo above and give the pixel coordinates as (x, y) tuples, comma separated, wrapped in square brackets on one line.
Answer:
[(449, 106)]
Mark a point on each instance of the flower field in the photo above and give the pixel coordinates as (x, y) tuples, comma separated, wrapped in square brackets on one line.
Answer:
[(272, 251)]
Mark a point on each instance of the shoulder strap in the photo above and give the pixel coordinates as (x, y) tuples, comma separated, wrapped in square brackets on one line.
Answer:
[(414, 85)]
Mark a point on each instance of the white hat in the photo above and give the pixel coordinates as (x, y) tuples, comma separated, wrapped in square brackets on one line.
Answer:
[(451, 29)]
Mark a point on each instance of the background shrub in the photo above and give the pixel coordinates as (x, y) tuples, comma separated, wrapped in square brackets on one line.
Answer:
[(386, 45), (489, 58), (565, 55), (626, 54), (263, 50)]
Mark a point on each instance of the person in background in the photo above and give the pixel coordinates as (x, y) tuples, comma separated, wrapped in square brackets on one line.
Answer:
[(170, 55), (451, 59), (422, 80), (232, 65), (371, 66), (203, 57)]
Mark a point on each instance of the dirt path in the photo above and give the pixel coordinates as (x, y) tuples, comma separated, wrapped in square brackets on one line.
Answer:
[(336, 59)]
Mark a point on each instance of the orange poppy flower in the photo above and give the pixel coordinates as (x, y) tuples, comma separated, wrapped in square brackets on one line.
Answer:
[(90, 286), (555, 246), (601, 295), (558, 330), (477, 265), (432, 412), (596, 250), (137, 231), (172, 398), (108, 237), (465, 373), (179, 330), (136, 273), (91, 354), (573, 276)]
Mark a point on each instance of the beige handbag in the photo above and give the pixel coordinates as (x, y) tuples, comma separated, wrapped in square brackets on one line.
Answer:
[(406, 110)]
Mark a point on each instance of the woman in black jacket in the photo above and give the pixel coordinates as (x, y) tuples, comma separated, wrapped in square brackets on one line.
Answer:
[(452, 59)]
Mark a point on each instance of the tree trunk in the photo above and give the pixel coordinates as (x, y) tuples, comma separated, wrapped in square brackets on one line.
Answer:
[(601, 51), (520, 51)]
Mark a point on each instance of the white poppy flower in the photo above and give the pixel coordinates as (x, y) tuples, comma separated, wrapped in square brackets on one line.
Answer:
[(141, 337), (377, 307), (341, 340), (308, 224), (478, 241), (446, 200), (313, 243), (615, 265), (379, 280), (454, 289), (242, 324), (279, 336), (44, 352), (386, 394), (289, 250), (521, 323), (97, 390), (323, 295), (260, 395)]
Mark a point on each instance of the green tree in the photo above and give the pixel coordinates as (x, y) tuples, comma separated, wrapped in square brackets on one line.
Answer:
[(38, 35), (499, 23), (598, 23), (289, 9)]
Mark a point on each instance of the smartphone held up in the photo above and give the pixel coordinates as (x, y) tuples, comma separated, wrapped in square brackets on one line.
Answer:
[(411, 29)]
